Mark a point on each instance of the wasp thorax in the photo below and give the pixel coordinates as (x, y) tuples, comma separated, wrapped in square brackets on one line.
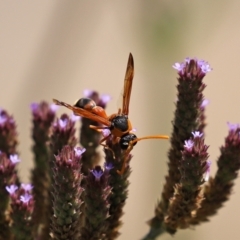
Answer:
[(120, 122), (126, 140), (85, 103)]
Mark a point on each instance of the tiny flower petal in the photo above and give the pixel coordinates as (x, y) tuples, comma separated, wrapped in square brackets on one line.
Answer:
[(232, 126), (14, 158), (106, 132), (207, 173), (105, 98), (108, 166), (87, 92), (63, 123), (75, 118), (3, 119), (178, 66), (204, 66), (54, 107), (34, 106), (188, 144), (27, 186), (97, 174), (197, 134), (11, 189), (25, 198), (79, 151), (204, 103)]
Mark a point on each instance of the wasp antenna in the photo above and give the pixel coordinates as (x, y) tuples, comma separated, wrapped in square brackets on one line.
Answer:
[(150, 137)]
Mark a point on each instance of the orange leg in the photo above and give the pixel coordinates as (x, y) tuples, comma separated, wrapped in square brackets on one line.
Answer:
[(125, 160), (105, 146), (97, 128)]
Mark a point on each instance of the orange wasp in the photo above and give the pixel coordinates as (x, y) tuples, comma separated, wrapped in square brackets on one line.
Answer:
[(119, 124)]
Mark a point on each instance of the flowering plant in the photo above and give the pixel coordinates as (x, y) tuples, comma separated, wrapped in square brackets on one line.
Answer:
[(72, 197)]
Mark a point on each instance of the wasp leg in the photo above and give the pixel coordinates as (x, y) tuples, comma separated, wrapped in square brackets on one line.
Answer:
[(125, 160), (97, 128), (105, 146)]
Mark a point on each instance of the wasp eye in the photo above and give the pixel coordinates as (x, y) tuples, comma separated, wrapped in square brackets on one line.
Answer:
[(124, 145), (126, 139)]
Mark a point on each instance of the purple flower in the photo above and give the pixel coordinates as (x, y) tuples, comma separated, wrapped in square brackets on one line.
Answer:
[(34, 107), (3, 119), (79, 151), (97, 174), (25, 198), (178, 66), (232, 126), (188, 144), (108, 166), (203, 65), (75, 118), (197, 134), (204, 103), (54, 107), (27, 186), (100, 101), (63, 123), (106, 132), (207, 173), (87, 92), (14, 158), (105, 98), (11, 188)]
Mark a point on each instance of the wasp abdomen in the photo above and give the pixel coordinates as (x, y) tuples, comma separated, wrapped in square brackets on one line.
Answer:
[(85, 103)]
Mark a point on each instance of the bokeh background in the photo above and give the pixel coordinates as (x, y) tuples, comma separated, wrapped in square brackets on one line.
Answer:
[(59, 48)]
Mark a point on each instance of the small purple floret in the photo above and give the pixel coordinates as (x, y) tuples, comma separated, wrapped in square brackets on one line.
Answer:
[(105, 98), (232, 126), (205, 67), (178, 66), (188, 144), (207, 173), (34, 107), (197, 134), (87, 92), (11, 188), (27, 186), (108, 166), (75, 118), (3, 119), (63, 123), (54, 107), (25, 198), (14, 158), (79, 151), (204, 103), (97, 174), (106, 132)]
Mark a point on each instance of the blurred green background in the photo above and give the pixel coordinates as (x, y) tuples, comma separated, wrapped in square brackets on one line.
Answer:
[(59, 48)]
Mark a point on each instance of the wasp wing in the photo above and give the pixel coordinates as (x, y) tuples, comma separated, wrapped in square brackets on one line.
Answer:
[(84, 113), (128, 85)]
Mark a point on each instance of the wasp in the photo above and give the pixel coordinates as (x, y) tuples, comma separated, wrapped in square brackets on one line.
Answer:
[(118, 123)]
